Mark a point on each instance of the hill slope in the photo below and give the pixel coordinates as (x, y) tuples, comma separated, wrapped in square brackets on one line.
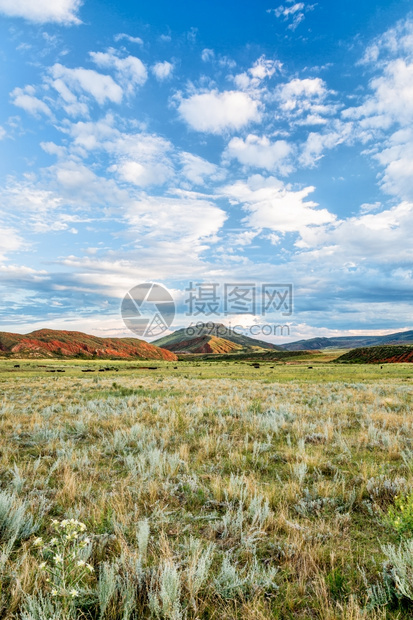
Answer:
[(378, 355), (205, 344), (349, 342), (184, 339), (56, 343)]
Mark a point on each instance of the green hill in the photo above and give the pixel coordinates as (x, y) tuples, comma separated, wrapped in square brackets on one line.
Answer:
[(378, 355)]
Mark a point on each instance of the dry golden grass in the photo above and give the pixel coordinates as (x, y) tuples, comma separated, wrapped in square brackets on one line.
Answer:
[(263, 500)]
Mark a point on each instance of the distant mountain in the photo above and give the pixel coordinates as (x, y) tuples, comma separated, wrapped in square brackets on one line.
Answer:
[(349, 342), (385, 354), (56, 343), (211, 338)]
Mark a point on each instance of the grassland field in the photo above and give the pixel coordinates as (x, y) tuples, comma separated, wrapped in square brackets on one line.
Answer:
[(207, 490)]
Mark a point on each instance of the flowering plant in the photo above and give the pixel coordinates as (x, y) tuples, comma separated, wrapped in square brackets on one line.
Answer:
[(400, 516), (64, 560)]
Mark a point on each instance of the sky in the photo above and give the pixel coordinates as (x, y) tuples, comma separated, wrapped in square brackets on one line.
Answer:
[(204, 146)]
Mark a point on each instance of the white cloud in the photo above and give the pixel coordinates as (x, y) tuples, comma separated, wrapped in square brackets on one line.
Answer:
[(2, 133), (163, 70), (42, 11), (368, 207), (179, 219), (142, 174), (69, 100), (215, 112), (316, 143), (295, 13), (81, 190), (38, 207), (25, 98), (260, 152), (296, 93), (102, 87), (10, 241), (61, 196), (392, 101), (263, 67), (197, 170), (130, 71), (395, 41), (93, 135), (207, 55), (270, 204), (167, 228), (386, 115), (366, 239), (141, 159), (397, 159), (122, 35), (305, 102)]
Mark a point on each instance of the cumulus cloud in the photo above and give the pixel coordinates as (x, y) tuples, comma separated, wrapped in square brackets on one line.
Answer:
[(42, 11), (90, 135), (142, 174), (397, 159), (270, 204), (85, 81), (129, 71), (197, 170), (261, 69), (216, 112), (385, 116), (264, 67), (260, 152), (296, 94), (162, 70), (366, 239), (305, 101), (25, 98), (396, 41), (141, 159), (392, 101)]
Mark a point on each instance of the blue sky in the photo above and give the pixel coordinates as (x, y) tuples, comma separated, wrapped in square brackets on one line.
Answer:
[(206, 142)]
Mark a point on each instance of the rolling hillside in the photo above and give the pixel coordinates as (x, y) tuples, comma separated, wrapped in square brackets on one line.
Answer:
[(205, 344), (56, 343), (378, 355), (186, 339), (349, 342)]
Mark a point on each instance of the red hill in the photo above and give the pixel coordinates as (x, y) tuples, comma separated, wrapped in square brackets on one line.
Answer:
[(59, 343)]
